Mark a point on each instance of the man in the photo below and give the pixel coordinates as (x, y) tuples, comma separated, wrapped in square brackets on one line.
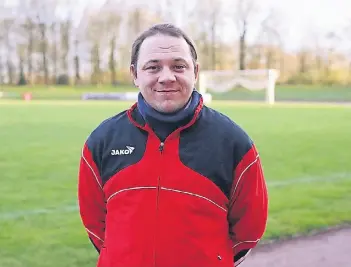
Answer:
[(170, 182)]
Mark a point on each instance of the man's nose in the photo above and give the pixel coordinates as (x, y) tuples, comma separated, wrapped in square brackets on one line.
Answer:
[(166, 75)]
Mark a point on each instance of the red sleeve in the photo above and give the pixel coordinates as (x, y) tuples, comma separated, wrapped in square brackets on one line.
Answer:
[(248, 205), (91, 198)]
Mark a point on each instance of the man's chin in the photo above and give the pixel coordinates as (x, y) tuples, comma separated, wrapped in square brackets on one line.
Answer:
[(169, 106)]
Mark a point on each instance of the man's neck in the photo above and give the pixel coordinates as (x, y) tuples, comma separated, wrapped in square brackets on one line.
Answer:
[(165, 123)]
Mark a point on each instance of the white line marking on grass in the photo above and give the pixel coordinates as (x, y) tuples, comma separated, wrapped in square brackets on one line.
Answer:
[(26, 213), (311, 179), (13, 215), (55, 103), (305, 104)]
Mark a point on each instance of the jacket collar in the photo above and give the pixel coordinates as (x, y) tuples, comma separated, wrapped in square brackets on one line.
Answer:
[(137, 119)]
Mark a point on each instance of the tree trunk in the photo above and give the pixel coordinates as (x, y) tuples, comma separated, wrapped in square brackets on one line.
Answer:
[(65, 44), (54, 53), (76, 64), (302, 62), (95, 62), (112, 62), (44, 52), (10, 71), (242, 51), (30, 48), (1, 72), (10, 68), (213, 46), (269, 59)]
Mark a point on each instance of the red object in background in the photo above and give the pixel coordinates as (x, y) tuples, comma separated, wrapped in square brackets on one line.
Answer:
[(27, 96)]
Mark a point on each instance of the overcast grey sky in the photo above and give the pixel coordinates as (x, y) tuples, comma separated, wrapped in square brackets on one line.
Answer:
[(302, 17), (299, 20)]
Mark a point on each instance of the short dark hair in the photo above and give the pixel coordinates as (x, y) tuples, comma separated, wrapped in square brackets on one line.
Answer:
[(164, 29)]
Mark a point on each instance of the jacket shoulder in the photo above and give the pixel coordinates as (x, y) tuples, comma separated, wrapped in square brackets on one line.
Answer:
[(231, 134), (105, 127), (225, 127)]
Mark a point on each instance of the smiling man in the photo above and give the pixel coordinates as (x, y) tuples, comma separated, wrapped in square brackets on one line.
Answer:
[(170, 182), (164, 71)]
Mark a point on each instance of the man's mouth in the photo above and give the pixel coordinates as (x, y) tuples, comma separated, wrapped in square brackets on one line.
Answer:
[(167, 91)]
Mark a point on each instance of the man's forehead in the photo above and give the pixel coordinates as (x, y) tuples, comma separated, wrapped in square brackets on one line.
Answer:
[(160, 46)]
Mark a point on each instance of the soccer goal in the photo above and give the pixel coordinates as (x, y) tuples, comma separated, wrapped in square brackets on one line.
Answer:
[(223, 81)]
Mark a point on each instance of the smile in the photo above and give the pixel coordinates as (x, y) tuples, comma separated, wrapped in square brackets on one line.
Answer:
[(167, 91)]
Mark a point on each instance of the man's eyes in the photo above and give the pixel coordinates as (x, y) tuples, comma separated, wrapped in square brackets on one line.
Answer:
[(180, 67), (176, 67), (152, 67)]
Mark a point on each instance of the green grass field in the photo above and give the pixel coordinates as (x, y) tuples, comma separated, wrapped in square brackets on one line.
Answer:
[(293, 93), (305, 152), (283, 92)]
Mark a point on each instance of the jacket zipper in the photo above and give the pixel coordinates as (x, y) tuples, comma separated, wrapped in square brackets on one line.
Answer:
[(160, 148)]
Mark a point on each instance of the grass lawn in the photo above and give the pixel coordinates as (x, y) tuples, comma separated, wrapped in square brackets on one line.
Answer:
[(309, 93), (305, 152), (293, 93)]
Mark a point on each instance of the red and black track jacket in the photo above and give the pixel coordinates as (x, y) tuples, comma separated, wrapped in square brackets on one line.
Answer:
[(197, 199)]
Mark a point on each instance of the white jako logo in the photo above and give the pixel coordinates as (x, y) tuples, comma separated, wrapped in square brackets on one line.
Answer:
[(127, 151)]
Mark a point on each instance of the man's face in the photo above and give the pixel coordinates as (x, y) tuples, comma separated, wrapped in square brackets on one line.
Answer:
[(165, 72)]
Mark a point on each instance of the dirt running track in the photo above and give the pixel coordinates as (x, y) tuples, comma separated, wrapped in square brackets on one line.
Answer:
[(329, 249)]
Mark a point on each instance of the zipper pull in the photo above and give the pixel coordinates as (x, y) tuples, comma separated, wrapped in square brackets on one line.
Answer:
[(160, 148)]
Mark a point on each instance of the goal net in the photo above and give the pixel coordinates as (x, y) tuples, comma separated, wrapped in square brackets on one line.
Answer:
[(239, 85)]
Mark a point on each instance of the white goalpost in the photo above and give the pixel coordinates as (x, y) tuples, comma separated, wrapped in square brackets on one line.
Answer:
[(222, 81)]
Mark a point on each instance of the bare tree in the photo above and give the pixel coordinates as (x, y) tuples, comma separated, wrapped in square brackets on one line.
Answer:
[(80, 40), (54, 49), (77, 77), (95, 37), (112, 21), (29, 27), (44, 49), (135, 22), (270, 36), (206, 34), (332, 39), (244, 11), (1, 63), (318, 54), (347, 34), (302, 56), (6, 28), (65, 32), (214, 18), (21, 48), (45, 16)]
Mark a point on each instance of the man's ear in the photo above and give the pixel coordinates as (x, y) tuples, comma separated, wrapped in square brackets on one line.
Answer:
[(196, 70), (133, 73)]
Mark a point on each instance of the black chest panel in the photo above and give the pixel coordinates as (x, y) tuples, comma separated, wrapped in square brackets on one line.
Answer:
[(213, 147), (120, 145)]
